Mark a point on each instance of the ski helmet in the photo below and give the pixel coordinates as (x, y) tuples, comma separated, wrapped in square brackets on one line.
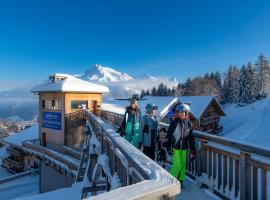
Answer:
[(150, 107), (183, 108)]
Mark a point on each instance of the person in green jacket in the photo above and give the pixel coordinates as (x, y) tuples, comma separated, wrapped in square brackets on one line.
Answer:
[(131, 123), (180, 138)]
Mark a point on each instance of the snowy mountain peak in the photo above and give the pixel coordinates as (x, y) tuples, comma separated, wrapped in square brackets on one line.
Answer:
[(105, 74)]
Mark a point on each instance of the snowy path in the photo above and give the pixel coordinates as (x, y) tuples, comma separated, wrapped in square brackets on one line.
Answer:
[(193, 192)]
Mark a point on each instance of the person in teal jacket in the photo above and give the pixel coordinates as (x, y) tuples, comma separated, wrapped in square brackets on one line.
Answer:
[(131, 123)]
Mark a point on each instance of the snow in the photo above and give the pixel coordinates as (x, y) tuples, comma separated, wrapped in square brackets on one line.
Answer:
[(115, 181), (4, 173), (24, 135), (20, 188), (69, 84), (105, 74), (249, 124), (70, 193)]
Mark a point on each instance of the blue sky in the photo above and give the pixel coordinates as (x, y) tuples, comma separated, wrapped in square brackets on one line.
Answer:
[(165, 38)]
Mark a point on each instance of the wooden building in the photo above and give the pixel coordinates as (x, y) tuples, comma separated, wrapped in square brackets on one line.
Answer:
[(205, 113), (16, 160), (61, 102)]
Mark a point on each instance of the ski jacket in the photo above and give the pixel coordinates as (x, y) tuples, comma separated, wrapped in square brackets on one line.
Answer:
[(148, 131), (131, 116), (180, 134)]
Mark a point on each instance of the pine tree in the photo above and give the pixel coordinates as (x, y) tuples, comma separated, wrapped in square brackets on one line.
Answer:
[(142, 93), (217, 78), (251, 84), (243, 94), (212, 76), (263, 74), (178, 90), (147, 93), (154, 91), (225, 89), (189, 88)]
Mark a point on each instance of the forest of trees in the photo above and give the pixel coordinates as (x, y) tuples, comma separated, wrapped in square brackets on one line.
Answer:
[(238, 85)]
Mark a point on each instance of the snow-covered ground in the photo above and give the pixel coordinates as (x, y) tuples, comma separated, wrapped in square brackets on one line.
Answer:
[(4, 173), (22, 187), (249, 123)]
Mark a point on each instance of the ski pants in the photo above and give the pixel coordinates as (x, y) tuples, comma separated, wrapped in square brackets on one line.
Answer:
[(178, 169)]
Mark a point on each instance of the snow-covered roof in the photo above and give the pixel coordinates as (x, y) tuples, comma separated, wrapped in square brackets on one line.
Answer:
[(198, 104), (68, 83), (26, 134)]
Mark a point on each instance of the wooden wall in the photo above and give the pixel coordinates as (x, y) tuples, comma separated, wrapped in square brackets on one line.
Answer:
[(81, 96), (52, 135)]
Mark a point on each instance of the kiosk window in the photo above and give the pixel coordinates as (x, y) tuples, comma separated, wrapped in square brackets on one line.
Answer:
[(79, 104)]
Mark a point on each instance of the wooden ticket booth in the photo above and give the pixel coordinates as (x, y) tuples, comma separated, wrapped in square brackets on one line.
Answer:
[(62, 101)]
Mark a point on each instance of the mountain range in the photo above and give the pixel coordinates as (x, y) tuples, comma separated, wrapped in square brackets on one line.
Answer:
[(19, 103)]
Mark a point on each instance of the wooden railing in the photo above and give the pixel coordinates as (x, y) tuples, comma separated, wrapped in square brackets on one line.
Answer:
[(14, 151), (53, 157), (140, 177), (231, 169), (13, 162), (209, 120)]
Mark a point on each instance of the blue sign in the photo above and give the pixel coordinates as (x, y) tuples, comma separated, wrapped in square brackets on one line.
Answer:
[(52, 120)]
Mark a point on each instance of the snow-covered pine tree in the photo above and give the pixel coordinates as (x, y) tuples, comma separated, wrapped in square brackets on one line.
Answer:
[(142, 93), (212, 76), (147, 93), (189, 88), (225, 89), (234, 81), (217, 78), (263, 74), (178, 89), (251, 91), (154, 91), (242, 92)]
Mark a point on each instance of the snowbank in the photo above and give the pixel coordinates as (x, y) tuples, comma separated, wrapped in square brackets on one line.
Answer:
[(248, 124)]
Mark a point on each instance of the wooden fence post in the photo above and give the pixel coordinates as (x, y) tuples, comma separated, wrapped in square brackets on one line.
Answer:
[(245, 176)]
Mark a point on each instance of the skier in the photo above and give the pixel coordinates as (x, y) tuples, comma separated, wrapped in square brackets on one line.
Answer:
[(148, 131), (180, 137), (130, 124)]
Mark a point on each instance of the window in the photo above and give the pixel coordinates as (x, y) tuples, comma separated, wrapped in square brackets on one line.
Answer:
[(79, 104), (53, 104), (43, 104), (58, 105), (48, 104)]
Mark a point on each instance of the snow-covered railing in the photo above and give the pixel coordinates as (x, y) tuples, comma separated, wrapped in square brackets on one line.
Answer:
[(229, 168), (52, 157), (139, 176)]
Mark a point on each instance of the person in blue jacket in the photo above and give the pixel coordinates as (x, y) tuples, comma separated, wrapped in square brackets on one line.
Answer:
[(148, 131)]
